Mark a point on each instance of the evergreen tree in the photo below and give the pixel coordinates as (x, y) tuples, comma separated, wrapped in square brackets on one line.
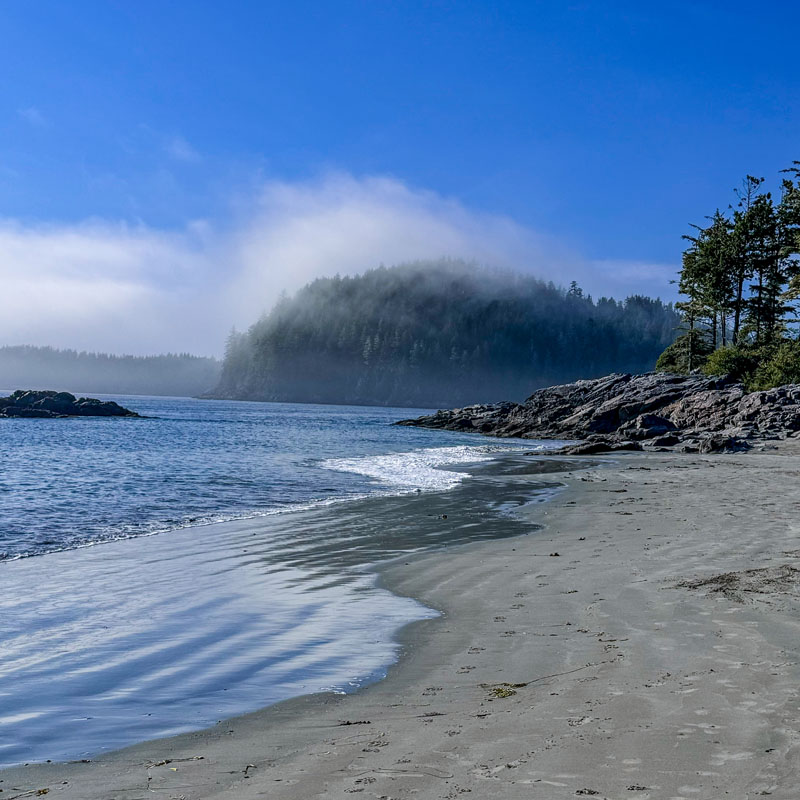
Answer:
[(435, 334), (746, 266), (693, 308), (741, 244)]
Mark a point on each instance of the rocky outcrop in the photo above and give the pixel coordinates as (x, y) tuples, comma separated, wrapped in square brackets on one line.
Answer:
[(656, 410), (49, 404)]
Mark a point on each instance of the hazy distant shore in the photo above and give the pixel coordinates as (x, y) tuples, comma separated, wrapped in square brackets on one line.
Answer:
[(587, 659)]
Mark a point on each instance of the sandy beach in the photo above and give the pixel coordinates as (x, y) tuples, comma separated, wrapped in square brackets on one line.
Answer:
[(601, 656)]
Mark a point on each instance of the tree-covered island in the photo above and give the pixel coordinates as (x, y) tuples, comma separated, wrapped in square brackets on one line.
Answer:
[(438, 333)]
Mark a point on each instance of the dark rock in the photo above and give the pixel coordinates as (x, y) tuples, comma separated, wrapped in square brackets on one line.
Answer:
[(27, 411), (626, 446), (666, 441), (59, 403), (466, 424), (599, 446), (662, 409), (654, 424), (647, 426), (586, 449), (50, 404), (729, 444)]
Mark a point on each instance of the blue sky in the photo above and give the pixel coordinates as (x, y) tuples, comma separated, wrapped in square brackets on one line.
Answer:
[(589, 133)]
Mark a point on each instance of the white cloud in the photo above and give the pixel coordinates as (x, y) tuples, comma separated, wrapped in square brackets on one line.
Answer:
[(33, 116), (120, 288), (300, 231), (181, 150), (107, 287)]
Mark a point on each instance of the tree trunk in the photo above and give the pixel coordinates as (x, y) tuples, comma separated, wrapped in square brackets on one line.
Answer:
[(760, 306), (737, 312)]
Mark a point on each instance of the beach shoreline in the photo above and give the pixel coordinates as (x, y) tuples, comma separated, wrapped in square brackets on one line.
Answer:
[(565, 663), (149, 637)]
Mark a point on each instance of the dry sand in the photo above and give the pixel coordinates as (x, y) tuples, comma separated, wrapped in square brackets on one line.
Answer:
[(614, 669)]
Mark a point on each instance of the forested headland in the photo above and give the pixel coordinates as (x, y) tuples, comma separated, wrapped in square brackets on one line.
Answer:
[(180, 375), (740, 278), (438, 334)]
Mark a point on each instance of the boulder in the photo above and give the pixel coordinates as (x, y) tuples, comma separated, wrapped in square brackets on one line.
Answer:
[(670, 440), (723, 444), (50, 404), (599, 446)]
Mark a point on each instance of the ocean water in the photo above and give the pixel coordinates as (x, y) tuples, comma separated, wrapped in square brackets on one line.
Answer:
[(161, 574), (70, 482)]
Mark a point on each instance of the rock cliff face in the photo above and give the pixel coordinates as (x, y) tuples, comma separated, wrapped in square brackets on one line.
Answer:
[(623, 411), (58, 404)]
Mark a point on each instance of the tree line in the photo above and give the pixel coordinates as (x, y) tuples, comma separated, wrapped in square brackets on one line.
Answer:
[(177, 374), (433, 334), (740, 277)]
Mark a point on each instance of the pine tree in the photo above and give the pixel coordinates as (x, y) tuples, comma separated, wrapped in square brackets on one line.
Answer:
[(746, 265), (690, 285), (742, 244)]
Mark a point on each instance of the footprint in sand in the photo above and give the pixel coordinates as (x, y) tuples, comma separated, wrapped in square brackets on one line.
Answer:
[(720, 759)]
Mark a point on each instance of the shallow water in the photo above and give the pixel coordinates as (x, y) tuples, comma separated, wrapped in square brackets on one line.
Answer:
[(67, 482), (142, 637)]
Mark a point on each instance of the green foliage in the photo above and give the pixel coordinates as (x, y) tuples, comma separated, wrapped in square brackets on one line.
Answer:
[(438, 334), (758, 367), (687, 353), (740, 276), (782, 366), (738, 362)]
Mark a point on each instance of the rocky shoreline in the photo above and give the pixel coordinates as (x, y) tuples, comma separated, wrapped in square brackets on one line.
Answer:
[(49, 404), (652, 411)]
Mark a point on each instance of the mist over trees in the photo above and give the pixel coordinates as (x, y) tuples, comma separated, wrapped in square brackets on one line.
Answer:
[(180, 375), (438, 334), (740, 276)]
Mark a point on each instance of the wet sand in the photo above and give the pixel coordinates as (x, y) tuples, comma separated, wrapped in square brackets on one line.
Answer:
[(149, 637), (602, 656)]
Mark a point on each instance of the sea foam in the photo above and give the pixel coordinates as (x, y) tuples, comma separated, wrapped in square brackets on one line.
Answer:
[(425, 470)]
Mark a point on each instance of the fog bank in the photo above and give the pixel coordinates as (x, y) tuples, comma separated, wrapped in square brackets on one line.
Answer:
[(122, 287)]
